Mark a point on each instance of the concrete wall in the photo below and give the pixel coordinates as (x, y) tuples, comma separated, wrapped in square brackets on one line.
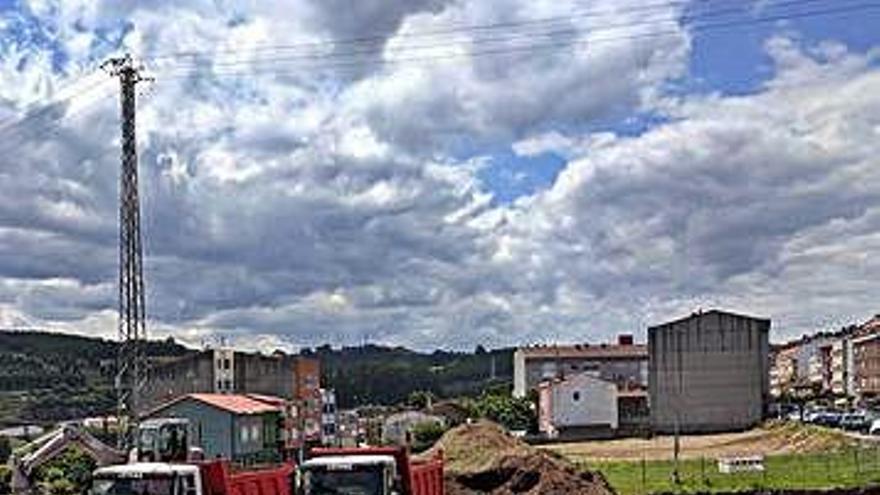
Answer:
[(520, 388), (198, 373), (708, 372), (190, 374), (270, 375)]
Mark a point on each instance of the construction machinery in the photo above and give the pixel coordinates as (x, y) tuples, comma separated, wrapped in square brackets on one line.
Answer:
[(158, 440), (165, 440), (25, 460)]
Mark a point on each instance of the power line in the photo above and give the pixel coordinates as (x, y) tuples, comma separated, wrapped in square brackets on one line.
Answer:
[(452, 29), (499, 38), (538, 47), (45, 127), (47, 108), (23, 125), (67, 85)]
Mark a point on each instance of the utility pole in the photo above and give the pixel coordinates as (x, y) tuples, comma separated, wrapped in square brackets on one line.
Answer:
[(131, 369)]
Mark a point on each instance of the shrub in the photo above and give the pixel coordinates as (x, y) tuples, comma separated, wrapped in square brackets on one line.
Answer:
[(426, 434)]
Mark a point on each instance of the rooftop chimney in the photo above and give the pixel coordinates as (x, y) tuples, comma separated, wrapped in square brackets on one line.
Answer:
[(625, 339)]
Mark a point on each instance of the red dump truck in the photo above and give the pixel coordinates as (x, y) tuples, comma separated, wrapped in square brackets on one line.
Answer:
[(201, 478), (355, 471), (369, 470), (168, 466)]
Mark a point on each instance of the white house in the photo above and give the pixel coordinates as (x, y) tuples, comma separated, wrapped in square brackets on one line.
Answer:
[(580, 402)]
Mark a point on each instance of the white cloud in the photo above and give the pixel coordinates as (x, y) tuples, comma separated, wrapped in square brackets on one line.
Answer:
[(323, 206)]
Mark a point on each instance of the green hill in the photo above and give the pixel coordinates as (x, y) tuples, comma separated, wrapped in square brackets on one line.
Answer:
[(387, 375), (46, 377)]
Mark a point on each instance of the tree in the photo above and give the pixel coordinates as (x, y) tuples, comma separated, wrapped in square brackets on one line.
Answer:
[(510, 412), (68, 474), (5, 479), (420, 399), (426, 434)]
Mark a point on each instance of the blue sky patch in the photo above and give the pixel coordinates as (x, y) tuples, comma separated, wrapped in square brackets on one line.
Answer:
[(509, 176)]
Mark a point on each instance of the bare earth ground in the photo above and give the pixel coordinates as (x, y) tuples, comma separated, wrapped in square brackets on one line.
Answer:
[(772, 439), (481, 458)]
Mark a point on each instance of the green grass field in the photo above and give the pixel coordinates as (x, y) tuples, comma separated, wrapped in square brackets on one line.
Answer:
[(844, 468)]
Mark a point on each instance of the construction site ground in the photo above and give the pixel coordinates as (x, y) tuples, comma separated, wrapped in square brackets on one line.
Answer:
[(795, 458), (482, 458), (771, 439)]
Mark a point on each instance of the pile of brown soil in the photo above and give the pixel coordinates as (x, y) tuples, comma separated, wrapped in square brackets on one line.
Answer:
[(482, 458)]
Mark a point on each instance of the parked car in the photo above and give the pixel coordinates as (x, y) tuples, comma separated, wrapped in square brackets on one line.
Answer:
[(855, 422), (811, 415), (875, 427), (828, 418)]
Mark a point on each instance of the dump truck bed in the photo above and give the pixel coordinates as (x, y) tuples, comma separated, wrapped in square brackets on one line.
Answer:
[(219, 479)]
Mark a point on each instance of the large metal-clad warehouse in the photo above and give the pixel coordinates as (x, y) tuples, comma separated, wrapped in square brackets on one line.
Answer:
[(708, 372)]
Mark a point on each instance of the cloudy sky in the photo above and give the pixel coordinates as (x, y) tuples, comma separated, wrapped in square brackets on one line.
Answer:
[(444, 173)]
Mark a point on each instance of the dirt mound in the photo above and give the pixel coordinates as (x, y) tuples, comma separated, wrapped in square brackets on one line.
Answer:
[(476, 447), (531, 474), (482, 458)]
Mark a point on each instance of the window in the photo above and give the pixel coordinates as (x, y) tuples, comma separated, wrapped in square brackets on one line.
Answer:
[(244, 434), (220, 385), (188, 485), (226, 364), (227, 384), (255, 433), (576, 396)]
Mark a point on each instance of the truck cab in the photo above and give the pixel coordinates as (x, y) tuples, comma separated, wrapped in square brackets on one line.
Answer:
[(350, 475), (147, 478), (164, 440), (370, 471)]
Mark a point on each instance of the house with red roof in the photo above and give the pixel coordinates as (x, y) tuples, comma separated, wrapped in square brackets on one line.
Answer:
[(238, 427)]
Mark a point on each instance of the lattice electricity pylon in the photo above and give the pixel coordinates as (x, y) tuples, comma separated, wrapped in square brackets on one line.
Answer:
[(131, 366)]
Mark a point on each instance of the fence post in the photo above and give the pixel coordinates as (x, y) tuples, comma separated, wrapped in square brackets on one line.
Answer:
[(827, 466), (858, 467), (703, 470), (764, 472)]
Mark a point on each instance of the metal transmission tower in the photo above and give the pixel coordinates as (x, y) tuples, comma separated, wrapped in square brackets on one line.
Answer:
[(131, 369)]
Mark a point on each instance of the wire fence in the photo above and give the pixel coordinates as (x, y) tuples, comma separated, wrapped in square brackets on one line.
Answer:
[(844, 468)]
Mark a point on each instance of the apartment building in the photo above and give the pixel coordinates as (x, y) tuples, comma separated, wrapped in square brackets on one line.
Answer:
[(784, 377), (624, 363), (866, 361)]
